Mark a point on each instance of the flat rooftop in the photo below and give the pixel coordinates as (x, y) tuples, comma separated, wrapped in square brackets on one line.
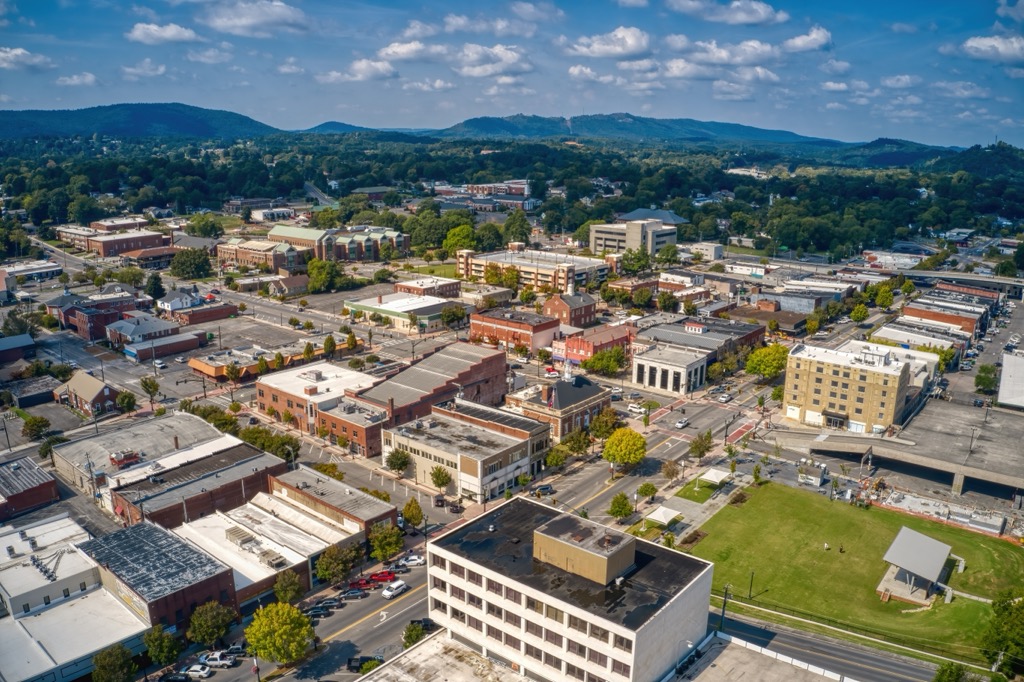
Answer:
[(657, 576), (441, 368), (849, 359), (330, 380), (358, 412), (152, 561), (331, 492), (152, 438), (456, 437), (402, 303), (541, 259), (103, 237), (500, 314), (670, 356)]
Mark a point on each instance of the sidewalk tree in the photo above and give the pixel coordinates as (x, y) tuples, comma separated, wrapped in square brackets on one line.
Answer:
[(351, 342), (279, 632), (577, 442), (287, 418), (884, 297), (648, 490), (278, 360), (555, 458), (288, 587), (330, 345), (985, 380), (440, 477), (605, 423), (700, 446), (150, 387), (413, 512), (233, 373), (262, 366), (209, 623), (126, 402), (114, 664), (336, 562), (398, 460), (308, 353), (778, 393), (620, 507), (34, 427), (859, 313), (385, 542), (413, 633), (163, 647), (768, 362), (625, 448), (670, 469)]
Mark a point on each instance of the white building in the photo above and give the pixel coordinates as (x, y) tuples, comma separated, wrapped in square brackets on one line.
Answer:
[(553, 596), (709, 251)]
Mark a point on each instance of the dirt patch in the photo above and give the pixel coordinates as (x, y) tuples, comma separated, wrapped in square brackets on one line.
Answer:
[(690, 539), (738, 499)]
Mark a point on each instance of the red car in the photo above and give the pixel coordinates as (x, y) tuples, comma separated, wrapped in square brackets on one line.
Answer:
[(383, 576), (363, 584)]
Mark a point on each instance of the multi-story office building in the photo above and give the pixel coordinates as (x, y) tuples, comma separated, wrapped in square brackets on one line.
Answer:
[(862, 391), (639, 235), (539, 269), (553, 596), (512, 328)]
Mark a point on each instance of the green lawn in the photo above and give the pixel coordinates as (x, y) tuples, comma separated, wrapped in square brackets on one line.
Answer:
[(439, 269), (779, 534), (700, 495)]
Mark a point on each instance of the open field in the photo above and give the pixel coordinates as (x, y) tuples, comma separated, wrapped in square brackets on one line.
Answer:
[(438, 269), (697, 491), (779, 535)]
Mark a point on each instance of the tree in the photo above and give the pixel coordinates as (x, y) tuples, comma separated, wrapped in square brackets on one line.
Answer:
[(204, 225), (233, 373), (17, 323), (768, 362), (34, 427), (155, 287), (330, 345), (191, 264), (382, 276), (667, 302), (668, 255), (700, 446), (398, 460), (452, 315), (262, 366), (1018, 257), (385, 542), (884, 297), (287, 417), (413, 512), (351, 342), (577, 442), (150, 387), (985, 380), (1005, 268), (209, 623), (288, 587), (308, 352), (517, 227), (625, 448), (648, 490), (670, 469), (163, 647), (620, 507), (279, 632), (955, 672), (130, 275), (642, 297), (715, 371), (1004, 637), (606, 362), (635, 261), (605, 423), (440, 477), (413, 633), (778, 393), (278, 360), (908, 288), (336, 562), (859, 313), (462, 237), (126, 402), (114, 664)]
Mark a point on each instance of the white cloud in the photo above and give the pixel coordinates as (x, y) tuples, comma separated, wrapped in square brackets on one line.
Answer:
[(290, 66), (835, 106), (859, 85), (5, 97), (995, 48), (1008, 11), (537, 11), (585, 73), (643, 88), (256, 18), (832, 86), (144, 69), (360, 70), (836, 67), (455, 23), (480, 61), (154, 34), (79, 79), (900, 81), (681, 68), (731, 92), (751, 74), (747, 52), (411, 50), (899, 27), (508, 85), (625, 41), (210, 56), (632, 3), (1015, 73), (962, 90), (144, 12), (638, 65), (428, 85), (735, 12), (419, 29), (677, 42), (815, 39), (20, 58)]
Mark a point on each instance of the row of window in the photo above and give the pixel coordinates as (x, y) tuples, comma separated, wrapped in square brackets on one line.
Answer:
[(82, 587)]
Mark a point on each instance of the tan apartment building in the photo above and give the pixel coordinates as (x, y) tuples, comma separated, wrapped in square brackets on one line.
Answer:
[(484, 449), (543, 270), (862, 391)]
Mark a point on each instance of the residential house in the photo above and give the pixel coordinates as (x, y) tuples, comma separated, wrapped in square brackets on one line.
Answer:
[(138, 329), (87, 394), (295, 285), (573, 309), (180, 298)]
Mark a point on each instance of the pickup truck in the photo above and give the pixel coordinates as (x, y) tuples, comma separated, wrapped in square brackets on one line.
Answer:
[(364, 584), (427, 624), (356, 663), (218, 659)]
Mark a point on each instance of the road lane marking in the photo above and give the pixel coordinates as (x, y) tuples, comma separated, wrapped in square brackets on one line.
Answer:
[(369, 615), (411, 606)]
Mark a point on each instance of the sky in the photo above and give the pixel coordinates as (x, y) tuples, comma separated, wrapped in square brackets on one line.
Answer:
[(944, 72)]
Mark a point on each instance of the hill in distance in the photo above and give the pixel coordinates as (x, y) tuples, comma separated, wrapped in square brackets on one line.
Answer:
[(335, 127)]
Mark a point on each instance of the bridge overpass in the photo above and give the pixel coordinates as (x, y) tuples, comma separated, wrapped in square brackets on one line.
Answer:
[(1011, 286)]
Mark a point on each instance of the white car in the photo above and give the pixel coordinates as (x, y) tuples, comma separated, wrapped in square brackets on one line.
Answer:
[(725, 397), (394, 589), (180, 360), (197, 672), (682, 423), (160, 364), (636, 408), (414, 560)]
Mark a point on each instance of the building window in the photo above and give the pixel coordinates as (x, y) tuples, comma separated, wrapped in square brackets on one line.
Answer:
[(474, 601), (815, 402), (534, 629), (574, 673), (620, 667), (494, 610), (534, 605), (578, 624), (24, 607), (834, 384), (439, 584), (534, 652), (474, 623), (458, 593), (46, 600), (623, 643), (494, 586), (475, 578), (81, 586), (458, 570), (554, 614), (553, 637), (595, 656), (513, 619), (599, 633), (440, 606), (67, 593), (576, 648), (553, 661), (458, 615), (438, 561), (860, 389), (493, 632), (858, 411), (513, 596), (513, 642)]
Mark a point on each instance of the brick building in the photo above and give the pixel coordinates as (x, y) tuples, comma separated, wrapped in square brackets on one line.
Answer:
[(87, 394), (156, 258), (571, 308), (260, 254), (510, 328), (207, 313), (139, 328), (87, 322), (431, 286), (119, 224), (107, 245), (566, 405), (24, 486), (576, 349), (352, 509)]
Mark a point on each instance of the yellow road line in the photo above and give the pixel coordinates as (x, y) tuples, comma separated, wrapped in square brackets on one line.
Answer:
[(372, 614)]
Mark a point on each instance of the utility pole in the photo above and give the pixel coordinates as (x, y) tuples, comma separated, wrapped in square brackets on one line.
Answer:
[(725, 600)]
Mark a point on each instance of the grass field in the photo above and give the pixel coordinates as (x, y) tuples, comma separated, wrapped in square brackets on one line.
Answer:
[(779, 535), (700, 495), (441, 270)]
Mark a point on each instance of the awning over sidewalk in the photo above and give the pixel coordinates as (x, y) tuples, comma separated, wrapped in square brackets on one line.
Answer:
[(715, 476)]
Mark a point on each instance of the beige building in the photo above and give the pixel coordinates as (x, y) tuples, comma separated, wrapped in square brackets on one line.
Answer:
[(863, 390), (639, 235), (558, 272)]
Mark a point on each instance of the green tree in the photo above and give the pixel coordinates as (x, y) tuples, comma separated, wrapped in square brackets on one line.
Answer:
[(398, 460), (279, 632), (668, 255), (606, 362), (452, 315), (1004, 636), (670, 469), (323, 275), (209, 623), (413, 633), (155, 287), (605, 423), (908, 288), (308, 352), (648, 490), (46, 449), (278, 360), (812, 326), (577, 442), (625, 448), (288, 587), (233, 373), (555, 458), (1005, 268), (440, 477), (462, 237), (620, 507), (131, 276), (700, 446), (262, 366), (369, 666), (884, 298), (768, 362), (635, 261), (859, 313), (150, 387), (330, 345), (986, 379), (413, 512), (351, 342), (385, 542), (163, 647), (382, 276), (516, 228), (778, 393), (1018, 257), (642, 297), (204, 225), (126, 402), (191, 264), (34, 427), (114, 664), (667, 302), (336, 562), (17, 323)]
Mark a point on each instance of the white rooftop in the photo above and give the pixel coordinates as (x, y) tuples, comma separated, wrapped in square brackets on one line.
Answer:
[(402, 303), (297, 540), (54, 539), (173, 461), (879, 359), (428, 281), (126, 235), (331, 381)]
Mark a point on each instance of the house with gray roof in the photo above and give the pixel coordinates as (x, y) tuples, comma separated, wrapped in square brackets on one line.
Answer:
[(140, 328)]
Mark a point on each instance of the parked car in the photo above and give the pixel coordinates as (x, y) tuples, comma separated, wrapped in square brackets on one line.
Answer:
[(363, 584), (455, 508), (356, 663), (616, 390), (180, 360), (237, 649), (397, 568), (160, 364), (637, 408), (427, 624), (253, 420), (197, 672), (383, 576), (725, 397), (716, 389), (349, 595), (317, 612), (682, 423), (414, 560), (328, 603), (543, 490), (634, 395), (394, 589), (218, 659), (439, 501), (615, 397), (515, 365), (551, 374)]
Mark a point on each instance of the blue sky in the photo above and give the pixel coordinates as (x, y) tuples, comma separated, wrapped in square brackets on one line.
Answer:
[(945, 72)]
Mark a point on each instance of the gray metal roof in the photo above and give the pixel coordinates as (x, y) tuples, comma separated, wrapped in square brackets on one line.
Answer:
[(19, 475), (918, 554), (141, 325), (351, 501), (152, 561), (19, 341), (565, 394), (431, 373), (665, 216)]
